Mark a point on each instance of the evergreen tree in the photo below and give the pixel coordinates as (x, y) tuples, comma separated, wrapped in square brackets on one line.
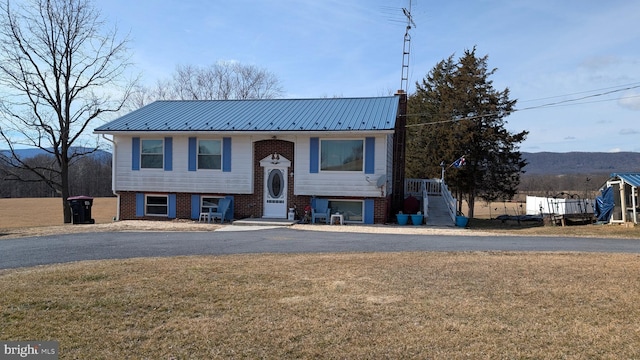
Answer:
[(457, 113)]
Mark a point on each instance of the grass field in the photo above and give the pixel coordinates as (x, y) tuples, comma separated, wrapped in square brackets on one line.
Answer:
[(333, 306), (27, 212)]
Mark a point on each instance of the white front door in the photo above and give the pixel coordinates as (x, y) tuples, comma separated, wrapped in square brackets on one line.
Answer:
[(276, 167), (275, 192)]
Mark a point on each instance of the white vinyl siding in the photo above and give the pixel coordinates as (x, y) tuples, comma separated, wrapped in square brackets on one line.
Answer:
[(237, 181), (339, 183), (240, 180)]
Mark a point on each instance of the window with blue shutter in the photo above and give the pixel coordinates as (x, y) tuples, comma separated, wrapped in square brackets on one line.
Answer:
[(193, 153), (369, 211), (135, 153), (168, 154), (139, 204), (226, 154), (369, 155), (171, 206), (195, 207), (314, 155)]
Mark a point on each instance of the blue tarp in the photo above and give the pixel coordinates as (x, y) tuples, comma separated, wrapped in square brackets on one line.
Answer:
[(604, 205)]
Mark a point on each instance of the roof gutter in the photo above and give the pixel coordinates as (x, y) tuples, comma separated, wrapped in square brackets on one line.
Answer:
[(237, 132)]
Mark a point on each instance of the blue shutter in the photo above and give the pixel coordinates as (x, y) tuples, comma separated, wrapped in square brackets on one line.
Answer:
[(195, 207), (193, 155), (171, 206), (314, 154), (369, 155), (226, 154), (168, 154), (135, 153), (139, 204), (369, 211), (230, 212)]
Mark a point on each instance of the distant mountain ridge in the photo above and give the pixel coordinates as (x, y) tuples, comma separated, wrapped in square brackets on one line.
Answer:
[(32, 152), (541, 163), (549, 163)]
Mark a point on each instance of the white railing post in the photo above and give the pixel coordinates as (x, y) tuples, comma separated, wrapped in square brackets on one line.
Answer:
[(425, 199), (449, 200)]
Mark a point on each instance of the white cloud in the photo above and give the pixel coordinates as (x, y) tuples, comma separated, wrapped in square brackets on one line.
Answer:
[(630, 101)]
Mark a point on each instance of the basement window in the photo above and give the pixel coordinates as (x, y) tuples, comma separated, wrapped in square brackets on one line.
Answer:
[(156, 205), (352, 210), (209, 204)]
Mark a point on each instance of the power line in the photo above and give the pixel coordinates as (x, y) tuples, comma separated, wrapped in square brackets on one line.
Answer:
[(581, 92), (581, 98), (569, 102)]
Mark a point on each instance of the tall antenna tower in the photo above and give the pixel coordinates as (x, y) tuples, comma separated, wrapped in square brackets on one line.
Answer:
[(406, 49)]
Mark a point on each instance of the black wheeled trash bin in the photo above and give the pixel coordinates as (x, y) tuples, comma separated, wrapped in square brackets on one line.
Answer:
[(81, 209)]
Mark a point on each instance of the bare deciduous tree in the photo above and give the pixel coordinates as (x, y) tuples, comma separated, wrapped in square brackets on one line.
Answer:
[(60, 70), (221, 81)]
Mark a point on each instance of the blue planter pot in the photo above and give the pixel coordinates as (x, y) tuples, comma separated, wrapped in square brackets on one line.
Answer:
[(461, 221), (402, 219), (417, 219)]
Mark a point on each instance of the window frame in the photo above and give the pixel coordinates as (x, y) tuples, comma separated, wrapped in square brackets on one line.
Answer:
[(142, 154), (320, 156), (221, 147), (202, 200), (146, 205), (346, 220)]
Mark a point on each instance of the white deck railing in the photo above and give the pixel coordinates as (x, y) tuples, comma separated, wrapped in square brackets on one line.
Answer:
[(452, 203), (434, 187), (416, 186)]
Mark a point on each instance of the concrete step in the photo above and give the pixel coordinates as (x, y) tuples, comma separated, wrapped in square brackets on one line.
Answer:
[(264, 222)]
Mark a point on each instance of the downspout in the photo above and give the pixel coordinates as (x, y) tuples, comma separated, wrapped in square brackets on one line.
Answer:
[(634, 196), (113, 176), (623, 201)]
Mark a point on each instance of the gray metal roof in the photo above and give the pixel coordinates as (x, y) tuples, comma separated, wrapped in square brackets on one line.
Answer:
[(630, 178), (335, 114)]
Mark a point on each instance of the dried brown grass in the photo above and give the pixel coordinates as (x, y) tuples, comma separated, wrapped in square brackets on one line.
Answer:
[(38, 212), (409, 305)]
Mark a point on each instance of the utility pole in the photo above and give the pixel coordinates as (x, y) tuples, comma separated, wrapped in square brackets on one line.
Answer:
[(400, 134)]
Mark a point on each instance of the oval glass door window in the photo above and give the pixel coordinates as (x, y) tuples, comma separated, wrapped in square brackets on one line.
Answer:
[(275, 183)]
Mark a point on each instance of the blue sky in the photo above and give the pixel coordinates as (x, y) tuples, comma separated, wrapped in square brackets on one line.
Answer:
[(546, 51)]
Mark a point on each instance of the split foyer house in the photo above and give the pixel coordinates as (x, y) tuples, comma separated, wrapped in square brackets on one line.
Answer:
[(176, 159)]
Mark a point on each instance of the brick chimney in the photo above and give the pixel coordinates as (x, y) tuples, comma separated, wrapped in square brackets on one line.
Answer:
[(399, 149)]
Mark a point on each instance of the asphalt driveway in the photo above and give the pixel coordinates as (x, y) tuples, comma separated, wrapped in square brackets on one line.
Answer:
[(42, 250)]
